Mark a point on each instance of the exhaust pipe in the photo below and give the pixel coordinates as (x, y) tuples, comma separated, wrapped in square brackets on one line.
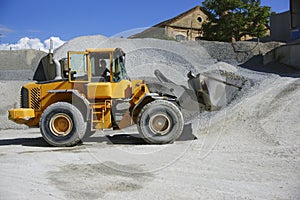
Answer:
[(51, 52), (56, 62), (57, 70)]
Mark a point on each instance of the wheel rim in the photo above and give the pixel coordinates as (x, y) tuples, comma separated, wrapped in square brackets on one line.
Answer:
[(61, 124), (160, 124)]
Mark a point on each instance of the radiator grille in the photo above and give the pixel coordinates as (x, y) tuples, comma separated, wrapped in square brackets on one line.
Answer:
[(35, 98), (24, 98)]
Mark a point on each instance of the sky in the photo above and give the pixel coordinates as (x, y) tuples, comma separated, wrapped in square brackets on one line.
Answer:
[(30, 23)]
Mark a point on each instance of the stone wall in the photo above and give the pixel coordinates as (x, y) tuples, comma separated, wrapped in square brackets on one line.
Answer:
[(237, 52), (287, 54)]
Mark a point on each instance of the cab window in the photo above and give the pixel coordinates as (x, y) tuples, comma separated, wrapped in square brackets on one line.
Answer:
[(78, 67), (119, 71), (100, 67)]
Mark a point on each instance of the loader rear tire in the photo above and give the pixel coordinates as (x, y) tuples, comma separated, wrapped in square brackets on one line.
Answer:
[(160, 122), (62, 125)]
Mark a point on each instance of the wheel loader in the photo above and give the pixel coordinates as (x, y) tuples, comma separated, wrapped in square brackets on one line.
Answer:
[(79, 100)]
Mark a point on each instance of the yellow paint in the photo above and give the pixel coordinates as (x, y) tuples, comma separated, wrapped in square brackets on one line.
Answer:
[(139, 93), (121, 89), (136, 83), (100, 50), (40, 98), (107, 119), (101, 115), (21, 115), (99, 90)]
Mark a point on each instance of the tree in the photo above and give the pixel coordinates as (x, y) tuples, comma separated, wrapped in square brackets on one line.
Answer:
[(232, 19)]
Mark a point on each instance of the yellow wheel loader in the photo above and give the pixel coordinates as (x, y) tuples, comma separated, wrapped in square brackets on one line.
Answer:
[(84, 96)]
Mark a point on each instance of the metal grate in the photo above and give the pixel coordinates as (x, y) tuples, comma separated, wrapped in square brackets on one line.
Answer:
[(24, 98), (35, 98)]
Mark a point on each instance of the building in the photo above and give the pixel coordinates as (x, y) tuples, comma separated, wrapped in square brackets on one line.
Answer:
[(295, 19), (186, 26), (285, 27)]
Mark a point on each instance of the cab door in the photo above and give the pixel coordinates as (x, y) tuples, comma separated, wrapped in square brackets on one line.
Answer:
[(100, 87), (114, 84), (121, 83), (79, 69)]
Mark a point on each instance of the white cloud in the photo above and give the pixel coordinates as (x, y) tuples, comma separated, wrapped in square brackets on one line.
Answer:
[(5, 29), (57, 42), (33, 43)]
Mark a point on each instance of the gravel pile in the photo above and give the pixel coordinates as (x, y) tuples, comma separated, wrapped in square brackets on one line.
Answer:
[(173, 59), (9, 98), (144, 56), (236, 53), (19, 64)]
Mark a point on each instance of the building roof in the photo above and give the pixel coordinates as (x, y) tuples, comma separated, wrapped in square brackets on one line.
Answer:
[(167, 22), (170, 21)]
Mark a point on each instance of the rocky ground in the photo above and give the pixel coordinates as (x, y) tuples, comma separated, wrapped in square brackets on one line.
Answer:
[(247, 150)]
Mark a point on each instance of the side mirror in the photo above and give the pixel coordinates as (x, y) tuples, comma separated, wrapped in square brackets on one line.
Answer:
[(72, 73)]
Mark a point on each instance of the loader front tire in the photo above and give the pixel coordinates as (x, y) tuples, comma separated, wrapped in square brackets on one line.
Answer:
[(62, 125), (160, 122)]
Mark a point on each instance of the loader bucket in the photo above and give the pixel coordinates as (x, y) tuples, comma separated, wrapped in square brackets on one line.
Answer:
[(217, 88), (206, 91)]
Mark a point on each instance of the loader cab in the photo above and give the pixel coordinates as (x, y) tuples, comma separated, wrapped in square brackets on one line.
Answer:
[(88, 66), (102, 70)]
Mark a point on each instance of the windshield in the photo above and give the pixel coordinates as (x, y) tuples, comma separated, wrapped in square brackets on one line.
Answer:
[(119, 69)]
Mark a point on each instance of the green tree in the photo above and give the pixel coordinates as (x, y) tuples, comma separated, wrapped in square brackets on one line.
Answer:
[(233, 19)]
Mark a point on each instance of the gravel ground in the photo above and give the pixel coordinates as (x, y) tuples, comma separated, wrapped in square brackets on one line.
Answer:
[(247, 150)]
